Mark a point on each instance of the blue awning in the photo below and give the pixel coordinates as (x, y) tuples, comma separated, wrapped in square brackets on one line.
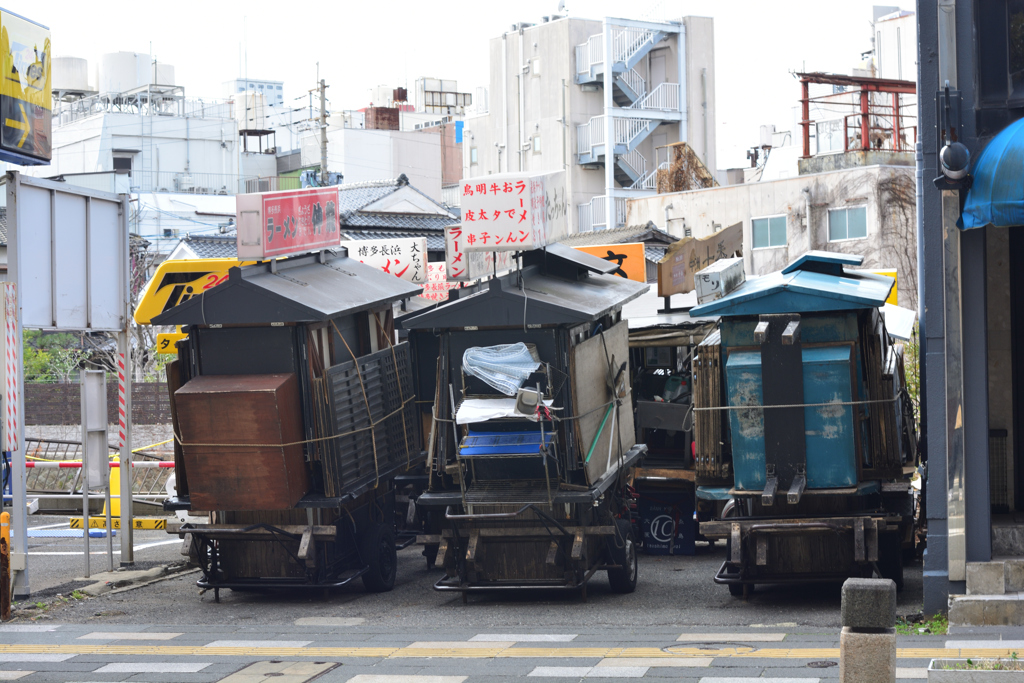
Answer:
[(997, 195)]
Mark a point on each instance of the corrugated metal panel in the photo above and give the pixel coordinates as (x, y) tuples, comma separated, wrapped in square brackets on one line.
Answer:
[(544, 300)]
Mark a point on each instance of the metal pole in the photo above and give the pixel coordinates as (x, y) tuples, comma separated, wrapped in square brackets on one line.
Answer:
[(323, 132), (14, 399), (805, 113), (124, 388), (609, 128), (865, 144), (85, 469)]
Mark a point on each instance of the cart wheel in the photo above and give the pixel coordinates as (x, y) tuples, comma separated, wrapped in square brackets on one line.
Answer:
[(377, 548), (890, 559), (623, 579), (740, 590)]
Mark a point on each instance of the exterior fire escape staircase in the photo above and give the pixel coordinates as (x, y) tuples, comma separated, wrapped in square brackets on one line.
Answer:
[(630, 91)]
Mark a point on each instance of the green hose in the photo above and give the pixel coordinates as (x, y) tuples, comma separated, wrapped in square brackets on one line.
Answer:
[(599, 430)]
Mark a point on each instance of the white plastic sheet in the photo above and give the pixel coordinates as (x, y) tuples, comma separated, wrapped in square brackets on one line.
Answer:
[(504, 366)]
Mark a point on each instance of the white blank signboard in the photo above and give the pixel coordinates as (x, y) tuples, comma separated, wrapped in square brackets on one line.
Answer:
[(71, 251)]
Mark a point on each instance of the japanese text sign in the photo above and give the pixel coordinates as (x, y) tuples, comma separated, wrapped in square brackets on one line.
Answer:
[(465, 266), (404, 257), (437, 286), (274, 224), (514, 211), (630, 258), (684, 258)]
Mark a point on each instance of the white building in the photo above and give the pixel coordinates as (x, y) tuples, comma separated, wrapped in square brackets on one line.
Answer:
[(273, 91), (137, 131), (554, 100)]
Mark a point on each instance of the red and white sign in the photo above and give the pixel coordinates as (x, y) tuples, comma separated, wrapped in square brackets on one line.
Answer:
[(403, 257), (465, 266), (437, 286), (514, 211), (272, 224)]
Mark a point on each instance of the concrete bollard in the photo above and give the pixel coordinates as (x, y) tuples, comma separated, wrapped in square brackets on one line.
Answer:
[(867, 645)]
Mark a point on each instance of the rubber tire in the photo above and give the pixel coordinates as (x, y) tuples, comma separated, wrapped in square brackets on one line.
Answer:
[(890, 558), (735, 589), (623, 579), (377, 548)]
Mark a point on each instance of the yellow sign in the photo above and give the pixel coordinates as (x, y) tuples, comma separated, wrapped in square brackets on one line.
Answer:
[(630, 258), (177, 281), (25, 103), (101, 523), (167, 342), (890, 272)]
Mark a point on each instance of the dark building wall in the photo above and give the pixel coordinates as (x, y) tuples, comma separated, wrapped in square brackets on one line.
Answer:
[(938, 409)]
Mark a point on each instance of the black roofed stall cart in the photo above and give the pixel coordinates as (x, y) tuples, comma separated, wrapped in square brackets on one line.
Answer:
[(532, 432), (293, 414)]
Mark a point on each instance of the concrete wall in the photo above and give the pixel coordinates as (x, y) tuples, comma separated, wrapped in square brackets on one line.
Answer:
[(886, 191), (364, 155), (164, 145)]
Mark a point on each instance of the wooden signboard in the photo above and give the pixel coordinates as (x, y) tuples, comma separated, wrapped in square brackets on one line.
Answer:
[(689, 255)]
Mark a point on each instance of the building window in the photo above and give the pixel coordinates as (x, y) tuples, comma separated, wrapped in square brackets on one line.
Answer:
[(769, 231), (472, 155), (847, 224), (536, 144), (278, 87), (122, 164)]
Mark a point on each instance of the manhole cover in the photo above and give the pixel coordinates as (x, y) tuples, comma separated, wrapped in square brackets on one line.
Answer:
[(822, 665)]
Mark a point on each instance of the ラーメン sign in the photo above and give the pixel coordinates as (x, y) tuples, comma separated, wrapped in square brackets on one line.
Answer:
[(272, 224), (404, 257), (465, 266), (514, 211), (25, 102)]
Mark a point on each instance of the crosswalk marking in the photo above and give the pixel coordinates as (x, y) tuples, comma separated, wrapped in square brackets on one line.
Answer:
[(153, 668), (524, 638), (14, 675), (293, 672), (329, 621), (34, 657), (588, 672), (908, 673), (128, 635), (731, 637)]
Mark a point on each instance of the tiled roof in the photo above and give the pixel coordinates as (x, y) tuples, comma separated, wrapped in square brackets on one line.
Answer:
[(649, 234), (213, 246), (406, 221)]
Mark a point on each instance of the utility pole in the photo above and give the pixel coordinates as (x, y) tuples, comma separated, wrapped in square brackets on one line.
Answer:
[(323, 133)]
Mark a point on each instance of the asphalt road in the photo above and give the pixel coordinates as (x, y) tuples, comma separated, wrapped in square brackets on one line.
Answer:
[(55, 563), (672, 591)]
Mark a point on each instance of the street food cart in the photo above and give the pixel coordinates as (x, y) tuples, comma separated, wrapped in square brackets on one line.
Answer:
[(293, 413), (805, 428), (531, 436)]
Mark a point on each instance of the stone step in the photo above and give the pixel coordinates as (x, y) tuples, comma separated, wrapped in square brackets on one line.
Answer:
[(995, 578), (987, 610)]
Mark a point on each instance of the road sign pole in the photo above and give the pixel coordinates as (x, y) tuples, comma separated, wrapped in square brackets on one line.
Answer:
[(14, 438), (124, 426)]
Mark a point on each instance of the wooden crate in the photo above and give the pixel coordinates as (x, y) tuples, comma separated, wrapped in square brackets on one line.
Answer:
[(218, 415)]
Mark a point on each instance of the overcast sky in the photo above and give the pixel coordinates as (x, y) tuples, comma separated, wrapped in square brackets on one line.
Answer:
[(360, 44)]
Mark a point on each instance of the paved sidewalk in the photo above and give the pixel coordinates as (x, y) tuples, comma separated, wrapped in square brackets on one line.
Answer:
[(350, 649)]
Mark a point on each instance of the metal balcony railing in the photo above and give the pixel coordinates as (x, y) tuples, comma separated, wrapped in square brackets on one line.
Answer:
[(626, 42), (664, 97), (591, 134), (635, 161), (636, 83), (594, 215)]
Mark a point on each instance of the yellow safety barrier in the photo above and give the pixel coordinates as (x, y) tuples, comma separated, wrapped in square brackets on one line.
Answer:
[(5, 527), (146, 523)]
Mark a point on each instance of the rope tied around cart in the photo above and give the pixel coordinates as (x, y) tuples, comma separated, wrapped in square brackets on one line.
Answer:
[(803, 405), (181, 442)]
